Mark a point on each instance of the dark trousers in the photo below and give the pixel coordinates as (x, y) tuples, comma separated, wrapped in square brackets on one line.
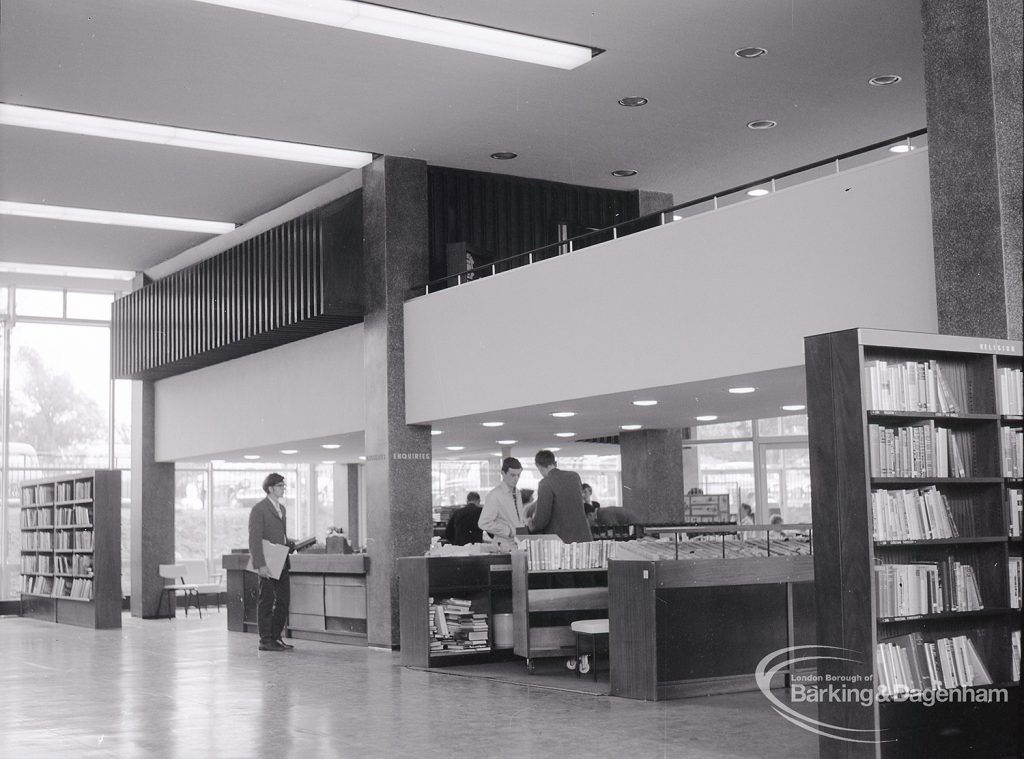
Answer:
[(272, 609)]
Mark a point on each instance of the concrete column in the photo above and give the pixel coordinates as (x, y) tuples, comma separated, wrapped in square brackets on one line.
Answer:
[(652, 474), (397, 455), (352, 485), (651, 201), (972, 57), (152, 486)]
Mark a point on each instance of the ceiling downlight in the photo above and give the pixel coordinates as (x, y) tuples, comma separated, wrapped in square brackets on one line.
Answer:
[(750, 52)]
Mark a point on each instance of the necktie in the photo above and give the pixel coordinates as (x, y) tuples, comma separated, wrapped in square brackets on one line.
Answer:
[(515, 503)]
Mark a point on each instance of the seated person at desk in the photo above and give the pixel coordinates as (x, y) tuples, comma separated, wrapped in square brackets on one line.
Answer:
[(776, 532), (464, 524), (589, 504)]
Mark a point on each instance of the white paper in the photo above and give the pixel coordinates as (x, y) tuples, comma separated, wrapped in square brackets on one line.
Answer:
[(275, 555)]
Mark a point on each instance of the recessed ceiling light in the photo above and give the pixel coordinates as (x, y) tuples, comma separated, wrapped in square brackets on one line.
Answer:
[(496, 453), (885, 80), (456, 447), (288, 451), (901, 148), (251, 456), (563, 414), (329, 462), (633, 102), (330, 446), (420, 27), (492, 424), (677, 218), (158, 134), (506, 442), (645, 403), (362, 458), (565, 434), (437, 432), (793, 407), (115, 218), (504, 156), (624, 173), (706, 418), (630, 426), (554, 450), (742, 390), (762, 124), (750, 52), (758, 192)]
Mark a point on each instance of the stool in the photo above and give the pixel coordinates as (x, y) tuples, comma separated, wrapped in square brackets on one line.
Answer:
[(590, 628)]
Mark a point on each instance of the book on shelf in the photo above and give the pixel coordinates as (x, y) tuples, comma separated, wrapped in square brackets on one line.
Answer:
[(1015, 581), (1015, 643), (1015, 504), (908, 663), (1010, 391), (1011, 442)]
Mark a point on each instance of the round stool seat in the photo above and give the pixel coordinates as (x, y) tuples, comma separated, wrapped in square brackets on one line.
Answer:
[(590, 626)]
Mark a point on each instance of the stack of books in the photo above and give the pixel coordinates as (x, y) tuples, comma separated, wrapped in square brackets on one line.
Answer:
[(455, 627)]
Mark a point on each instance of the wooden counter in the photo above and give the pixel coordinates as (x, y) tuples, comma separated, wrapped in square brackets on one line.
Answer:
[(328, 596)]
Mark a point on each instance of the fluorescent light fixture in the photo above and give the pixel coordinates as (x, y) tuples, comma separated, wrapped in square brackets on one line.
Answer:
[(565, 434), (677, 217), (362, 458), (904, 148), (706, 418), (793, 407), (630, 427), (645, 403), (554, 450), (328, 462), (563, 414), (742, 390), (456, 447), (116, 218), (330, 446), (506, 442), (496, 453), (758, 192), (251, 456), (419, 27), (66, 271), (492, 424), (158, 134), (288, 451), (435, 433)]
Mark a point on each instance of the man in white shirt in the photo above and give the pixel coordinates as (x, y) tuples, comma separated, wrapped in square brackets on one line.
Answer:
[(503, 507)]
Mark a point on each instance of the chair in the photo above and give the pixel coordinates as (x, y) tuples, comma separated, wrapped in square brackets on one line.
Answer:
[(171, 592), (589, 628), (197, 572)]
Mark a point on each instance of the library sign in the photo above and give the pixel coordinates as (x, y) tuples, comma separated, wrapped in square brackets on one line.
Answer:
[(818, 688)]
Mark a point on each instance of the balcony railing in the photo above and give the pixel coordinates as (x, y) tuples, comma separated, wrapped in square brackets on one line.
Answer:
[(905, 143)]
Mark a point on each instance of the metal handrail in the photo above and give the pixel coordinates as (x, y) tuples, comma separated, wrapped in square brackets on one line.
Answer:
[(569, 245)]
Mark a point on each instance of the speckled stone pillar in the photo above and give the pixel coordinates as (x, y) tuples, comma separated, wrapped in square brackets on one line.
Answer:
[(651, 201), (354, 472), (973, 83), (652, 474), (398, 489), (152, 509)]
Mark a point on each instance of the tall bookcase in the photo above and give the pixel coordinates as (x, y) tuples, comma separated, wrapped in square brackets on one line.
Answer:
[(948, 388), (71, 549)]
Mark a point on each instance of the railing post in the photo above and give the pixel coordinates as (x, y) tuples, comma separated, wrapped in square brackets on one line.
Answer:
[(570, 246), (494, 269), (531, 257), (426, 289), (716, 202), (458, 279)]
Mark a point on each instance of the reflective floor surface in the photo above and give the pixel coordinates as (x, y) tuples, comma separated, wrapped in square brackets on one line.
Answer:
[(189, 688)]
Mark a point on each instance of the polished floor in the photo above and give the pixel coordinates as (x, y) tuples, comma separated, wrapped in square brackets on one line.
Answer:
[(189, 688)]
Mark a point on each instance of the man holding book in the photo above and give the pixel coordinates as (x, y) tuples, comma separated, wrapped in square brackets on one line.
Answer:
[(268, 521)]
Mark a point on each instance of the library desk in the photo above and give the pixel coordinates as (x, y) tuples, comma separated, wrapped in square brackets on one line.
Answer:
[(328, 596)]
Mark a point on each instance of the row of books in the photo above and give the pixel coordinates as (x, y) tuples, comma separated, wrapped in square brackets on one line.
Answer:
[(911, 664), (915, 386), (1015, 582), (74, 515), (36, 563), (908, 590), (66, 587), (1015, 504), (1010, 391), (1012, 447), (78, 564), (36, 518), (454, 626), (548, 554), (77, 539), (38, 586), (37, 541), (36, 494), (74, 491), (920, 450), (912, 515), (1015, 643)]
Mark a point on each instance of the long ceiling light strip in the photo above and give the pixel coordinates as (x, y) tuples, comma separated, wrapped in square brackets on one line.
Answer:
[(116, 218), (418, 27), (157, 134)]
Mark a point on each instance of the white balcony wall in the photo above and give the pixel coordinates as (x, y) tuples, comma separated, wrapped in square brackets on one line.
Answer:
[(725, 293), (307, 389)]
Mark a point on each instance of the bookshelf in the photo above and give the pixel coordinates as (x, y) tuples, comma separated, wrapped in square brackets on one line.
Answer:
[(545, 601), (71, 549), (913, 545)]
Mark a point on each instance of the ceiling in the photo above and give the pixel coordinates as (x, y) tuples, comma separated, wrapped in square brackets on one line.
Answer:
[(190, 64)]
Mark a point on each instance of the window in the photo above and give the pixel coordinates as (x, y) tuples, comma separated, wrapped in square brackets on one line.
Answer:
[(89, 305), (44, 303)]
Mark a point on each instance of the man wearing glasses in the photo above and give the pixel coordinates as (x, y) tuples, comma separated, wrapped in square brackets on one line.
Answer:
[(268, 521)]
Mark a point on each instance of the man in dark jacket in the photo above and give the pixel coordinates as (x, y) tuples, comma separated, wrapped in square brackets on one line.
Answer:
[(268, 521), (463, 525), (559, 509)]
